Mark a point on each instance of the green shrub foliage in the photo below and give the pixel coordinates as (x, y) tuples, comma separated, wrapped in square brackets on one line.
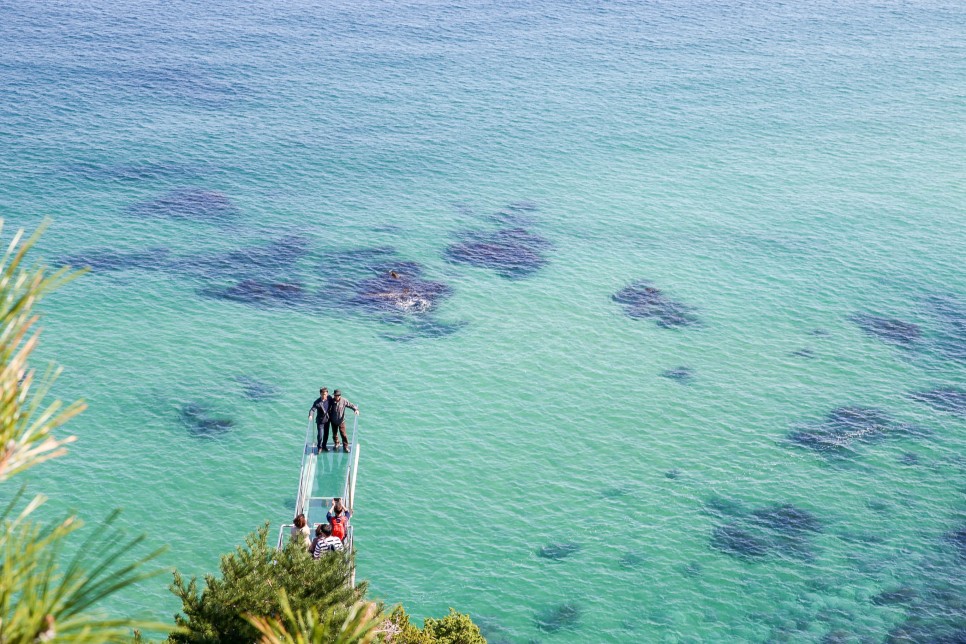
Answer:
[(251, 578), (455, 628)]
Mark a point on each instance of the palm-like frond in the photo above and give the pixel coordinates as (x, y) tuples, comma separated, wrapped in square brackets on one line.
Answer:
[(360, 626), (44, 593), (26, 421)]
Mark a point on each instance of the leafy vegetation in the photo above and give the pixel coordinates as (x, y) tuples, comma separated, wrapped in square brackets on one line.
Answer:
[(44, 594)]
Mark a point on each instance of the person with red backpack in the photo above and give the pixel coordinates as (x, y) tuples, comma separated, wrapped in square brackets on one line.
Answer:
[(338, 518)]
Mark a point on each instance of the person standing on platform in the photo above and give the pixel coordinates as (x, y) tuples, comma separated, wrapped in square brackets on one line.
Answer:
[(337, 416), (323, 420)]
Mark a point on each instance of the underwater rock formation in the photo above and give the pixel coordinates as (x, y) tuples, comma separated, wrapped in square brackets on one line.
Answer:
[(643, 300), (558, 551), (514, 253), (782, 530), (554, 618), (844, 426), (201, 420), (107, 259), (740, 542), (683, 375), (888, 329), (255, 389), (631, 559), (786, 518), (198, 204), (893, 596), (399, 290), (271, 261), (258, 292), (947, 399)]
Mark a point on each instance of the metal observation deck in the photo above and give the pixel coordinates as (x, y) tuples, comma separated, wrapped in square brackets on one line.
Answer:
[(324, 477)]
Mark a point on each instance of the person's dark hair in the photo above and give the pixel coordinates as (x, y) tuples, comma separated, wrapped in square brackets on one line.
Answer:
[(320, 529), (323, 390), (299, 521), (337, 506), (326, 529)]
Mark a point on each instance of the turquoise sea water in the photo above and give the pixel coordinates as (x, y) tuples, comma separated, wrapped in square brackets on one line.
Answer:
[(780, 168)]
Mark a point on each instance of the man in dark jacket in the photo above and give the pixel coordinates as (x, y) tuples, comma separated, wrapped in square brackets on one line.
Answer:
[(337, 407), (323, 420)]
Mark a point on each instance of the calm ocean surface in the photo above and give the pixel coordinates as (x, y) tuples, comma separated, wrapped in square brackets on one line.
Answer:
[(790, 176)]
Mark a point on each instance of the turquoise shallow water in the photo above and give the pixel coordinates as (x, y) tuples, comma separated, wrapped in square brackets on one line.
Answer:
[(780, 169)]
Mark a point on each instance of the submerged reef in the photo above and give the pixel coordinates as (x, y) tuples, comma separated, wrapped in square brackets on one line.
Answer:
[(780, 530), (947, 399), (102, 260), (197, 204), (683, 375), (950, 316), (273, 260), (399, 290), (888, 329), (259, 292), (558, 551), (202, 421), (644, 300), (554, 618), (514, 253), (255, 389), (844, 427), (377, 281)]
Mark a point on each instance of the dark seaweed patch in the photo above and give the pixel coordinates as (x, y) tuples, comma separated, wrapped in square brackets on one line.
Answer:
[(202, 421), (787, 518), (782, 530), (692, 569), (845, 426), (673, 474), (255, 389), (264, 261), (631, 559), (558, 551), (920, 630), (740, 542), (683, 375), (722, 506), (107, 259), (198, 204), (259, 292), (957, 539), (555, 618), (396, 291), (888, 329), (615, 492), (642, 300), (947, 399), (513, 253), (893, 596), (379, 282), (909, 458)]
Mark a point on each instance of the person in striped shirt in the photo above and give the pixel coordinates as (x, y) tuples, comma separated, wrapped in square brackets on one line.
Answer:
[(324, 541)]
